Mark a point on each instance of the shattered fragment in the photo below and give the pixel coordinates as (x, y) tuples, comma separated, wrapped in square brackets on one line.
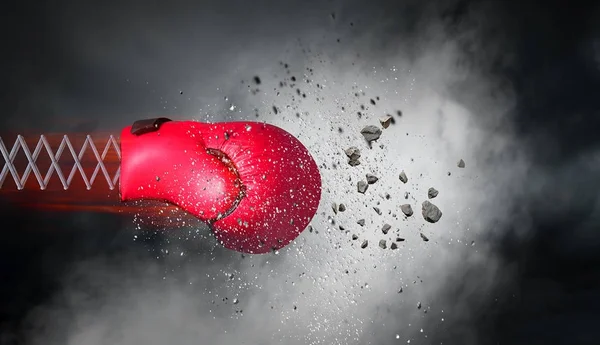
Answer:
[(393, 246), (386, 228), (355, 237), (424, 237), (364, 244), (407, 210), (372, 178), (385, 121), (461, 163), (399, 239), (377, 210), (403, 177), (342, 208), (371, 133), (400, 290), (431, 213), (360, 222), (362, 186), (334, 207), (406, 195), (353, 154), (382, 244), (432, 193)]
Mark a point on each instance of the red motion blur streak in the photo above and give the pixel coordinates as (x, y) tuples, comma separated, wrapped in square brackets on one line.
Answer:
[(77, 198)]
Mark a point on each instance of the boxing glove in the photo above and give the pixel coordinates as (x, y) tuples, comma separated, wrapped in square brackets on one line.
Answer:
[(255, 184)]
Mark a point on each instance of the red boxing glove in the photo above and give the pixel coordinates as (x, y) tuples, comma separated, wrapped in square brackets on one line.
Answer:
[(254, 183)]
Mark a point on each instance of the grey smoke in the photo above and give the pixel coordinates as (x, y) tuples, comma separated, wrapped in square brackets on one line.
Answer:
[(325, 288)]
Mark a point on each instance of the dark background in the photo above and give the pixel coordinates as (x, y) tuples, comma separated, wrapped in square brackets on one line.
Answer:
[(549, 52)]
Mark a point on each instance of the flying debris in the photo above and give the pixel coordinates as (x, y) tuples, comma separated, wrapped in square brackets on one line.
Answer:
[(431, 213), (353, 154), (371, 133), (386, 228), (362, 186), (432, 193), (371, 178), (386, 121), (403, 177), (407, 210)]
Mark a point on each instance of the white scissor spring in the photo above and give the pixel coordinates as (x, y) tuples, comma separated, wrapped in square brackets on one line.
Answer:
[(9, 158)]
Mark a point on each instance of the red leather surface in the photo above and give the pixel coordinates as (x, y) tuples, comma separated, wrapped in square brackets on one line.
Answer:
[(280, 179)]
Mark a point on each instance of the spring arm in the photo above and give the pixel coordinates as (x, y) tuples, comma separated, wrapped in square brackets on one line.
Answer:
[(43, 144)]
